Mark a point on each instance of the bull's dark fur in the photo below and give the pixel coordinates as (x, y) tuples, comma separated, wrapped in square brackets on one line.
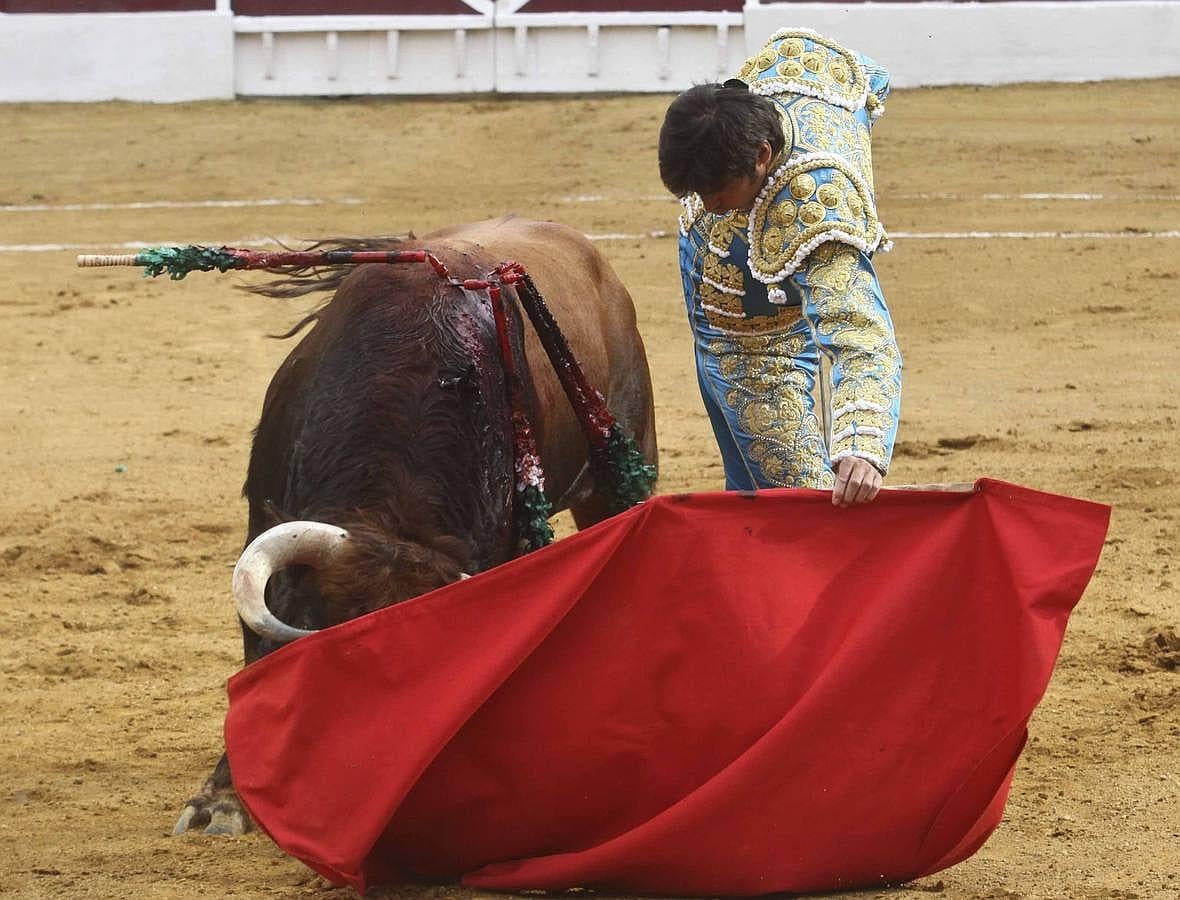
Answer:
[(390, 419)]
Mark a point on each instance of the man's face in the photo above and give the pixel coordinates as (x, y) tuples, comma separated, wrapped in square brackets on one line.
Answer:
[(739, 194), (736, 195)]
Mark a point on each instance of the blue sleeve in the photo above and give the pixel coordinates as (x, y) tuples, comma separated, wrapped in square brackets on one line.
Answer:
[(846, 310)]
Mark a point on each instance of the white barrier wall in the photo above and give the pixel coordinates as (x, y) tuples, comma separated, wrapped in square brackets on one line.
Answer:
[(994, 43), (165, 57), (331, 55), (628, 52), (197, 55)]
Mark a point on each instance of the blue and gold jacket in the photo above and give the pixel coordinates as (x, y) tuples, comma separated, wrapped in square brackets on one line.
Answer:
[(755, 273)]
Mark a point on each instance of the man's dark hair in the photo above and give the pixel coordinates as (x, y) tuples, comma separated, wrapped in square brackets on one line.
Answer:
[(711, 135)]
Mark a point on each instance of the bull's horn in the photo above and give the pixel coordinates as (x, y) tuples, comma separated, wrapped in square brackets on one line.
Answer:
[(289, 544)]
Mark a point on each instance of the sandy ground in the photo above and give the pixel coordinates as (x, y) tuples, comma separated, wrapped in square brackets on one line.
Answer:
[(126, 407)]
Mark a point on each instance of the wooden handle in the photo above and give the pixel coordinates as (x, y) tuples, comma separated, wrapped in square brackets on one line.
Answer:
[(86, 260)]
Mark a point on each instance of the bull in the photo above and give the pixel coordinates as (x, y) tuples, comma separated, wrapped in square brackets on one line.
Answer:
[(390, 424)]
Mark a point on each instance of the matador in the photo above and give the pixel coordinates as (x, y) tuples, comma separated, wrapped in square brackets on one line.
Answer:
[(795, 351)]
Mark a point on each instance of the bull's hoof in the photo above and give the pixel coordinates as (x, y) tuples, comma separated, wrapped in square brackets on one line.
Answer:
[(220, 814)]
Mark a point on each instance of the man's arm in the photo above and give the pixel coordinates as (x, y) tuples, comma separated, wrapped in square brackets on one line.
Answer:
[(846, 309)]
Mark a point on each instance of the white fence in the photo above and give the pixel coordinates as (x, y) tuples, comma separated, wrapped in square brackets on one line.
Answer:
[(177, 56)]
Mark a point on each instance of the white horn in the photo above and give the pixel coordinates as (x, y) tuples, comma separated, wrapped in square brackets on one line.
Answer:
[(289, 544)]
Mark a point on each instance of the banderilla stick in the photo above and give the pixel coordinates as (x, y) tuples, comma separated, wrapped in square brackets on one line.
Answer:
[(179, 261)]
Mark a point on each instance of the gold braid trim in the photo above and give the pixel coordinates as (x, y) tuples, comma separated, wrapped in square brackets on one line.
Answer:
[(790, 217), (849, 315), (726, 314), (800, 61), (693, 209)]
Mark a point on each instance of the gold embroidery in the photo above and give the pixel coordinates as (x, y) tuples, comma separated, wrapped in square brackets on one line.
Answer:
[(775, 323), (792, 58), (784, 468), (719, 306), (778, 249), (792, 47), (770, 396), (864, 160), (726, 313), (725, 276), (882, 421), (782, 215), (724, 229), (803, 223), (812, 213), (723, 284), (766, 58), (773, 239), (830, 268), (819, 127), (829, 195), (850, 316), (791, 68), (802, 187), (814, 62), (788, 135)]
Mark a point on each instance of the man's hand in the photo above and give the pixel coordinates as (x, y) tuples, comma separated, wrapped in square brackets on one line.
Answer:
[(857, 481)]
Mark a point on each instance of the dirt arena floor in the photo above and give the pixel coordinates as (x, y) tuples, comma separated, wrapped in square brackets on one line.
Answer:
[(126, 408)]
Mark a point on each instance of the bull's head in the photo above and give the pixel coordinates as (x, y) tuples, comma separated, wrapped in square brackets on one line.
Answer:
[(324, 548), (312, 544)]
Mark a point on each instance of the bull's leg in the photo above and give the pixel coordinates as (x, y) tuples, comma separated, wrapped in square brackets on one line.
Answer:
[(591, 510), (216, 807), (591, 502)]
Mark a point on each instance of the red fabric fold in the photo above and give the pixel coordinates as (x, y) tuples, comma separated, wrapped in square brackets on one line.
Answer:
[(709, 694)]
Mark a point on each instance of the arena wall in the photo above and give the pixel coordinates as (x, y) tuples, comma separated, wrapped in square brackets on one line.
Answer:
[(154, 56), (176, 50)]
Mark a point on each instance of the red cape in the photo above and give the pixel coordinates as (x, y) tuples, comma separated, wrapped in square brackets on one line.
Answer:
[(708, 694)]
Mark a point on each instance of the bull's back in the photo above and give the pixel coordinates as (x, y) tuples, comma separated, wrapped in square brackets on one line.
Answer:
[(597, 316), (586, 296), (383, 403)]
